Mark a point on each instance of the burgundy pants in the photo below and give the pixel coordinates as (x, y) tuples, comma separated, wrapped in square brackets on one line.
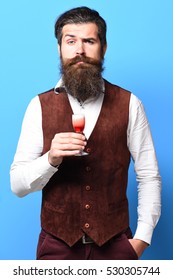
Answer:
[(118, 248)]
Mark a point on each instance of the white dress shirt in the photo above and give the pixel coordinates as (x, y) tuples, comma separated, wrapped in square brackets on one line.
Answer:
[(30, 171)]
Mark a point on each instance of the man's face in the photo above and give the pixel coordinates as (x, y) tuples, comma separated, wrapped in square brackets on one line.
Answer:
[(81, 60), (80, 39)]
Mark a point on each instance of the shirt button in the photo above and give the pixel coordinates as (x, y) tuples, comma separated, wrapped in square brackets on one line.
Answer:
[(87, 206), (87, 188), (86, 225)]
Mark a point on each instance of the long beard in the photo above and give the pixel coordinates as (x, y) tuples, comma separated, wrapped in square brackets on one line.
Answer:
[(83, 80)]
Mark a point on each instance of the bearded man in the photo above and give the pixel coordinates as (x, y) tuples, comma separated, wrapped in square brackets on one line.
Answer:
[(84, 213)]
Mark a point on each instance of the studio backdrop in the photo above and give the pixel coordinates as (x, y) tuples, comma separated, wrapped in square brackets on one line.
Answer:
[(139, 58)]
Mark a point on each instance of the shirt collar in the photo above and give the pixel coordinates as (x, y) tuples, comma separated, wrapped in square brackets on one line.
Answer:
[(59, 87)]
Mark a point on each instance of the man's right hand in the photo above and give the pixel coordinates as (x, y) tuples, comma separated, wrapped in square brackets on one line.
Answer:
[(65, 144)]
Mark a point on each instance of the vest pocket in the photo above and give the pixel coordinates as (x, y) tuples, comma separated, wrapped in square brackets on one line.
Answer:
[(69, 208), (57, 208), (117, 207)]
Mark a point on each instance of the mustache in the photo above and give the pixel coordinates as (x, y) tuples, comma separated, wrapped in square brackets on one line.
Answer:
[(83, 59)]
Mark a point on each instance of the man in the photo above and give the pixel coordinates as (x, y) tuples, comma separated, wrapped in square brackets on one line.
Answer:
[(84, 211)]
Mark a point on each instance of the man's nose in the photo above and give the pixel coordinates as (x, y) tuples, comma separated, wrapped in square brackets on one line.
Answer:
[(80, 49)]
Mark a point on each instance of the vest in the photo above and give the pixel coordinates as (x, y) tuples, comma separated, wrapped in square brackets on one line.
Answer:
[(88, 194)]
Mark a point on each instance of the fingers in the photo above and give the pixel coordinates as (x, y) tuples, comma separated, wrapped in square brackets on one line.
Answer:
[(65, 144), (69, 136)]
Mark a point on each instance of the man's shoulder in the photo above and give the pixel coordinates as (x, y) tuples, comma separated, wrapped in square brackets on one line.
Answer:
[(46, 95), (114, 87), (47, 92)]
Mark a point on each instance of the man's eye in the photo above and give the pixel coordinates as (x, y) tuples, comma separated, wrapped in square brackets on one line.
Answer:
[(90, 42), (71, 42)]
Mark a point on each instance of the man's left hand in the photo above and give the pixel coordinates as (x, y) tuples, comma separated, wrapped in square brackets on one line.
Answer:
[(138, 245)]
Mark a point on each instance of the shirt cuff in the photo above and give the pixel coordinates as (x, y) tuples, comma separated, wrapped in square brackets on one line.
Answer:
[(144, 232), (45, 167), (44, 172)]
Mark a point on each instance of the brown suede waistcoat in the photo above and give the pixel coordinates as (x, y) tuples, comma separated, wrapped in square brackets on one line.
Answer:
[(88, 193)]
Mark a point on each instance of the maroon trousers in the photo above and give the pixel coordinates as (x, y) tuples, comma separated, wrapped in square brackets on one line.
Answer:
[(118, 248)]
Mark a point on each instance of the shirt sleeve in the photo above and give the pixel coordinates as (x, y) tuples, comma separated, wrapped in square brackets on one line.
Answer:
[(30, 170), (142, 150)]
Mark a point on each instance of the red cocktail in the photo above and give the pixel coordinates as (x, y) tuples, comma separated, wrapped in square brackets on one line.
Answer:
[(78, 121)]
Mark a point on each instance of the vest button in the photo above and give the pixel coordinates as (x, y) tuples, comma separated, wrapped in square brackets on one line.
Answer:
[(88, 150), (87, 206), (88, 168), (87, 188), (86, 225)]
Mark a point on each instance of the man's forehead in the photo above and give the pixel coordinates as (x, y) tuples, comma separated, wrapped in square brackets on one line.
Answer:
[(80, 28)]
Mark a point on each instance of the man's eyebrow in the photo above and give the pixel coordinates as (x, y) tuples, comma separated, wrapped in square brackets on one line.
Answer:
[(84, 39), (69, 35), (89, 39)]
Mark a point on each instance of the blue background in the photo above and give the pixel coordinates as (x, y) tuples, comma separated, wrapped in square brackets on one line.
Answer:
[(139, 58)]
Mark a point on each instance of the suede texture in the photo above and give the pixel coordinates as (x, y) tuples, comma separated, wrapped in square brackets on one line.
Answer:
[(98, 179)]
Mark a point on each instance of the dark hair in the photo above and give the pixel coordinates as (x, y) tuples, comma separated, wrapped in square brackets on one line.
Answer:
[(81, 15)]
